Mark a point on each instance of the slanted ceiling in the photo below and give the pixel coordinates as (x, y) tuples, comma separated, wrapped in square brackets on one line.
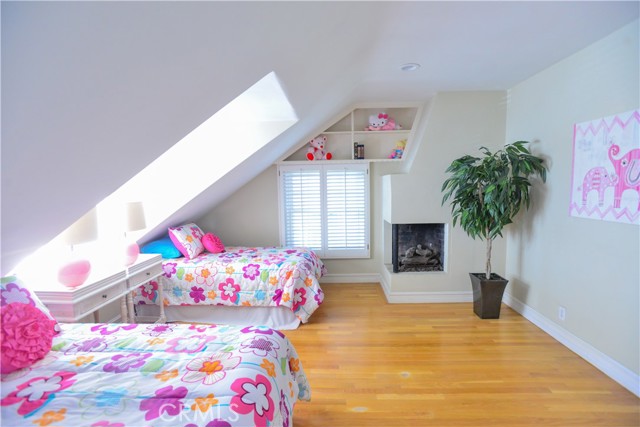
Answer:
[(92, 92)]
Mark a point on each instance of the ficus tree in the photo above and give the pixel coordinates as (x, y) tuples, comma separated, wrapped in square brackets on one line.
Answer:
[(487, 192)]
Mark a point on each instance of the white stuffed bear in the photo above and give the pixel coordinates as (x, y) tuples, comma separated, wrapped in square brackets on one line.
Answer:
[(382, 121), (316, 149)]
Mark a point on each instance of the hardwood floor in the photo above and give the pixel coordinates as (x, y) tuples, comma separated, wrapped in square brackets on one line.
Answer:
[(371, 363)]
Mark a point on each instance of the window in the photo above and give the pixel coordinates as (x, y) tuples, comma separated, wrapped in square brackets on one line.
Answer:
[(325, 208)]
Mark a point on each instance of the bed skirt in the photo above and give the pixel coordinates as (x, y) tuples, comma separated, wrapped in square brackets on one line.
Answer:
[(280, 318)]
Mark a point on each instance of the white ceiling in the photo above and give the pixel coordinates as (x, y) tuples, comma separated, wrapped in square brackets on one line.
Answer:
[(94, 91)]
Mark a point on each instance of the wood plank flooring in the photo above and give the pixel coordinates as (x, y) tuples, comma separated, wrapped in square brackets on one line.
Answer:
[(371, 363)]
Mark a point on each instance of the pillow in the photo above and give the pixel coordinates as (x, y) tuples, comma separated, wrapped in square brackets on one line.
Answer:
[(26, 334), (212, 243), (13, 290), (164, 247), (187, 239)]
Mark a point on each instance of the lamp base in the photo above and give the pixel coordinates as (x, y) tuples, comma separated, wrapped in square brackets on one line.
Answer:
[(74, 273), (132, 250)]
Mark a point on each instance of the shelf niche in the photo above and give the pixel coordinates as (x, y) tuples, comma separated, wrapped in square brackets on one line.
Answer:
[(350, 128)]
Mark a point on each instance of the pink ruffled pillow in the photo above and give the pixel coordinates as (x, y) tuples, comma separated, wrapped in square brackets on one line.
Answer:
[(26, 334), (212, 243), (13, 289)]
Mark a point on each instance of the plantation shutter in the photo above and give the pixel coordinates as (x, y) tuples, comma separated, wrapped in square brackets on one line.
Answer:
[(302, 207), (325, 208), (347, 211)]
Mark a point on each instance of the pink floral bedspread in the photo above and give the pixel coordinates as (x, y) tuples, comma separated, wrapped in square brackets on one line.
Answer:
[(242, 276), (121, 375)]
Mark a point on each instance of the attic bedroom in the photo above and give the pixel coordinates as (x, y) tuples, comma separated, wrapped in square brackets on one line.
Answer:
[(231, 213)]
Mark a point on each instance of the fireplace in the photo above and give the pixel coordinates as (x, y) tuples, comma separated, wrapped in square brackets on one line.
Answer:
[(418, 247)]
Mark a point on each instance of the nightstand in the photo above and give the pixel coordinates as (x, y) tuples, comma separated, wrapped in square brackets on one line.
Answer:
[(147, 267), (104, 285)]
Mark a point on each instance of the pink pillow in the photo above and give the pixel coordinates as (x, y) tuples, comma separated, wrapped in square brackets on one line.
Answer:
[(187, 239), (13, 290), (26, 335), (212, 243)]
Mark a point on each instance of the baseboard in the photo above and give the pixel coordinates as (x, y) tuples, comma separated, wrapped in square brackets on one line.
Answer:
[(622, 375), (350, 278), (423, 297)]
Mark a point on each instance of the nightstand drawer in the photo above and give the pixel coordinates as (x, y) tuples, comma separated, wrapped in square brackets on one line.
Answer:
[(99, 299), (145, 275)]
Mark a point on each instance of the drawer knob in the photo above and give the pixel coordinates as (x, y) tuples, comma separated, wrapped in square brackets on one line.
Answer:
[(148, 273), (104, 296)]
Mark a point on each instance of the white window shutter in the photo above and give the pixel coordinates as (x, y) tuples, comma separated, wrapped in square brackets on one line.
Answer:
[(301, 207), (325, 208), (347, 211)]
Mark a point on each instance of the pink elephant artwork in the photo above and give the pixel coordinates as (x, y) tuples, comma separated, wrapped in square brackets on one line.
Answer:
[(597, 179), (627, 169), (606, 164)]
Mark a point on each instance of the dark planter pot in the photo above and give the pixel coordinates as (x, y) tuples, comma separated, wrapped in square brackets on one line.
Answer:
[(487, 295)]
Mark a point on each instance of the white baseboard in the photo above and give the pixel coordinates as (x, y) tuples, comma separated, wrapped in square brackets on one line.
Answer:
[(622, 375), (350, 278), (423, 297)]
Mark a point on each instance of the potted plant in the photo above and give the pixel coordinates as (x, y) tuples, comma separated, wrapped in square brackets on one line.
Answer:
[(486, 194)]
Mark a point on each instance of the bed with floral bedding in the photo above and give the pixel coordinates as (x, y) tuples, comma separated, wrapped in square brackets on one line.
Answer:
[(127, 375), (272, 277)]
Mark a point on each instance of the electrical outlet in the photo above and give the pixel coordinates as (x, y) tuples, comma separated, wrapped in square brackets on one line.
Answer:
[(562, 313)]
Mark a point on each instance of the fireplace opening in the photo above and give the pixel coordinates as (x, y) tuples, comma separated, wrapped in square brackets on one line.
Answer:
[(418, 247)]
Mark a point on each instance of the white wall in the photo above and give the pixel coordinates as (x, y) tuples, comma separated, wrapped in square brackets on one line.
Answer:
[(590, 267), (92, 92), (249, 217), (458, 124)]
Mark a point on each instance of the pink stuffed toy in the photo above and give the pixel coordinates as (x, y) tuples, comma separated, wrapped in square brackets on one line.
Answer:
[(382, 122), (316, 149)]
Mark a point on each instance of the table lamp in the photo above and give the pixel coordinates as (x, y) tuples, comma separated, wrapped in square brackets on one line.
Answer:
[(134, 221), (75, 272)]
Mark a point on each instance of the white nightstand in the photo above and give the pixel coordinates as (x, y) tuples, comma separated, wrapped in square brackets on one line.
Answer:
[(147, 267), (105, 285)]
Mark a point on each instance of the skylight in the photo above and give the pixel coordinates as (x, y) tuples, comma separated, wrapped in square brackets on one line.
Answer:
[(206, 154), (194, 163)]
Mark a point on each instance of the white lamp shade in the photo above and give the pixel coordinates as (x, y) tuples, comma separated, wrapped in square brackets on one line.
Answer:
[(134, 216), (83, 230)]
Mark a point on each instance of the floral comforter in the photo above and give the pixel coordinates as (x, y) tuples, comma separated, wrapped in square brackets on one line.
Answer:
[(120, 375), (242, 276)]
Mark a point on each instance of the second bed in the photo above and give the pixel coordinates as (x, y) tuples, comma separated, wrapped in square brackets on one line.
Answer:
[(272, 286)]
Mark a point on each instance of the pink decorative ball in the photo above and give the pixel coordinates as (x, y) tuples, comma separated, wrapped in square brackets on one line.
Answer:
[(75, 273), (131, 254)]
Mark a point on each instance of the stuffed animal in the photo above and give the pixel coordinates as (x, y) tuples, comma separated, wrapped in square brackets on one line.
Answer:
[(396, 153), (382, 121), (316, 149)]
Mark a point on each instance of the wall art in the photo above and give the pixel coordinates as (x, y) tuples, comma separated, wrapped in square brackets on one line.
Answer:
[(606, 169)]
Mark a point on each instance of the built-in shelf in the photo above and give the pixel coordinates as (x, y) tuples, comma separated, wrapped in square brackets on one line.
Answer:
[(350, 128)]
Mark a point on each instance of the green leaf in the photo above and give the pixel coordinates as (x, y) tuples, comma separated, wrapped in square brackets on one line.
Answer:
[(58, 346), (125, 342), (486, 192), (153, 365)]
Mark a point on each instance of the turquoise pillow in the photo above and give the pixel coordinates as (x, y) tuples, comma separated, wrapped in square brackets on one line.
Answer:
[(164, 247)]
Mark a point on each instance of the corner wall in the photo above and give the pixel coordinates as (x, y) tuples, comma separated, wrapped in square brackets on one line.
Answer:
[(459, 123), (590, 267)]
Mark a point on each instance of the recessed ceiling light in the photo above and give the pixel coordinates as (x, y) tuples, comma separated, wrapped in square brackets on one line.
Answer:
[(410, 66)]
